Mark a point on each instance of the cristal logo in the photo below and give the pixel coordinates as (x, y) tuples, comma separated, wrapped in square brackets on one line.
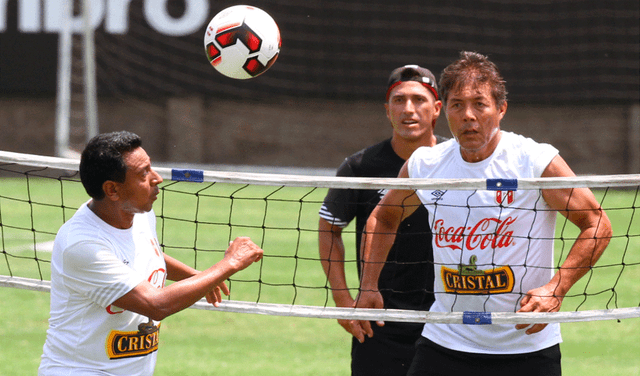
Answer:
[(490, 233)]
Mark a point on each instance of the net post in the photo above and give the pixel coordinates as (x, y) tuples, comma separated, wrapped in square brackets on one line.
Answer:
[(91, 102), (63, 95)]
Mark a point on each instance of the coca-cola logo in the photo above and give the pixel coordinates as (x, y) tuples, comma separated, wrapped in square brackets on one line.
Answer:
[(490, 233), (157, 278)]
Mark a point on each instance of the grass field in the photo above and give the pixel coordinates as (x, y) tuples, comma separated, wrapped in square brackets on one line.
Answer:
[(197, 342)]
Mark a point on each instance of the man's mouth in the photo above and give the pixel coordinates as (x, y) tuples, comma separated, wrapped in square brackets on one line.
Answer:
[(469, 131)]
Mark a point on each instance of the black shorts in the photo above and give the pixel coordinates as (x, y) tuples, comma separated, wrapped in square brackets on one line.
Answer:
[(434, 360), (388, 353)]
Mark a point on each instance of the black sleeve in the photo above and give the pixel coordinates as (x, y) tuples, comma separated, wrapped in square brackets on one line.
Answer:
[(339, 206)]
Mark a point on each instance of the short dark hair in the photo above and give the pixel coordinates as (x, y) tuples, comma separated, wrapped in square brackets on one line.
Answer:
[(474, 69), (102, 159)]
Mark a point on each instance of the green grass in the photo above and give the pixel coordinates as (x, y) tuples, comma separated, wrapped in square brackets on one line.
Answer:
[(196, 342)]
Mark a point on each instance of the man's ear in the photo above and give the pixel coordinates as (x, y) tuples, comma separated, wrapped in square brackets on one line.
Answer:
[(438, 110), (502, 110), (111, 190)]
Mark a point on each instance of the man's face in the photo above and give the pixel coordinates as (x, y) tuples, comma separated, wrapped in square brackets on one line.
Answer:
[(474, 121), (140, 188), (412, 110)]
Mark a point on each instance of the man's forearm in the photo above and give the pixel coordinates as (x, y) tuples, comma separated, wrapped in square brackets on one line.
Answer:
[(377, 241), (332, 257), (583, 255)]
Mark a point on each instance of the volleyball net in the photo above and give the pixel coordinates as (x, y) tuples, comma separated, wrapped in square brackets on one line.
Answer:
[(200, 211)]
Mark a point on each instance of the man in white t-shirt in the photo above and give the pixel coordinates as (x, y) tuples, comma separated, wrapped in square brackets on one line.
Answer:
[(108, 272), (493, 250)]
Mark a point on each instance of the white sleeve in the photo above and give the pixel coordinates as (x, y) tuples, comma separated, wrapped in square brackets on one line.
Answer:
[(547, 153), (90, 268), (412, 163), (533, 156), (540, 157)]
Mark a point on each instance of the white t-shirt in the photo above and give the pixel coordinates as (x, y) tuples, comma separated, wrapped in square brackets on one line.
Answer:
[(93, 264), (487, 255)]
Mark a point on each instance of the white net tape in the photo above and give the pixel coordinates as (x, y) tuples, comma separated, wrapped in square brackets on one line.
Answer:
[(282, 180)]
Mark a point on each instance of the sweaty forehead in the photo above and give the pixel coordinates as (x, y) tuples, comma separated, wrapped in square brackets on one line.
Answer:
[(471, 90)]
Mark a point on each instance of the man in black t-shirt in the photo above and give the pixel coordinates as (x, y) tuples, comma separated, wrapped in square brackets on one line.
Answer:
[(406, 282)]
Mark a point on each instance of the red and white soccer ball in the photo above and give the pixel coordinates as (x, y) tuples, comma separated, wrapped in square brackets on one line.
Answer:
[(242, 41)]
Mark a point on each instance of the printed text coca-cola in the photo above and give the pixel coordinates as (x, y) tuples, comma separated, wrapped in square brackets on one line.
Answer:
[(490, 233)]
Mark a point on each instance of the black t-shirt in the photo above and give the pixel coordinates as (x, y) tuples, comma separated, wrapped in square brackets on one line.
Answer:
[(406, 281)]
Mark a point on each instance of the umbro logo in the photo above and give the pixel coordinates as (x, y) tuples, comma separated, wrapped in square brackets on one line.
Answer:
[(437, 194)]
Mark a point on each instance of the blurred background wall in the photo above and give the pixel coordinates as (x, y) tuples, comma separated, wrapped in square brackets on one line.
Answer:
[(572, 70)]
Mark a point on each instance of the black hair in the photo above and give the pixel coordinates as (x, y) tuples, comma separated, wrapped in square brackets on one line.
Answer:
[(473, 69), (102, 160)]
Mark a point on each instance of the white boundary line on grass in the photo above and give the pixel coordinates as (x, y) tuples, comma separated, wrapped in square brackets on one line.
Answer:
[(40, 247)]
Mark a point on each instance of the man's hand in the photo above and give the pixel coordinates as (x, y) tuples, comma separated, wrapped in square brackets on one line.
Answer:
[(242, 252), (360, 328), (215, 296), (351, 326), (541, 299), (344, 300)]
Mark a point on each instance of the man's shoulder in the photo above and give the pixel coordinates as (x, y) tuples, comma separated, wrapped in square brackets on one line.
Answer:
[(426, 160), (371, 151), (85, 226), (516, 144), (519, 150), (443, 147), (518, 140), (378, 160), (80, 219), (78, 229)]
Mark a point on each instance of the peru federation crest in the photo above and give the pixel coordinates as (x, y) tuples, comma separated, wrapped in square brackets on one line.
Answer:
[(505, 198)]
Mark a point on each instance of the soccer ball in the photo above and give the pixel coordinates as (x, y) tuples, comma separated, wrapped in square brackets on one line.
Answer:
[(242, 41)]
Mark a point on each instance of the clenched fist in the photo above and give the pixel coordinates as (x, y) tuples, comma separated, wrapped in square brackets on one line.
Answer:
[(242, 252)]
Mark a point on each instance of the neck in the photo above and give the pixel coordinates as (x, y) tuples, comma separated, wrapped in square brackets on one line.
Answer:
[(404, 148), (477, 155), (111, 214)]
